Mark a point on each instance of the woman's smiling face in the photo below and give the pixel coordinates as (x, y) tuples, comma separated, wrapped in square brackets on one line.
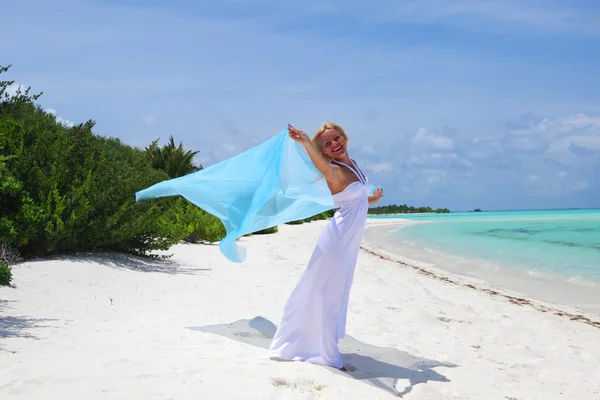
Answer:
[(333, 143)]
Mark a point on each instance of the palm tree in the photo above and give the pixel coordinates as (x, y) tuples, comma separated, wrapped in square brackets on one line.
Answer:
[(175, 161)]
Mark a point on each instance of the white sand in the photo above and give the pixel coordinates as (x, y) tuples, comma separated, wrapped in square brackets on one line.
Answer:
[(117, 327)]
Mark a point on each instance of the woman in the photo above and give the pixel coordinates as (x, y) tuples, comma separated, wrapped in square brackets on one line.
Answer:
[(314, 317)]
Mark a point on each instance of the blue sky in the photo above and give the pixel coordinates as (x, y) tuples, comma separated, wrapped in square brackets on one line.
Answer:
[(448, 103)]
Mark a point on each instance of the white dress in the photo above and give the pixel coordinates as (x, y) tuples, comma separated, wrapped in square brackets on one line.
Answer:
[(314, 317)]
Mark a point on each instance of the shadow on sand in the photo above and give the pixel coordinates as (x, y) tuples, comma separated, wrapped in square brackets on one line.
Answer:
[(18, 327), (382, 367), (11, 327), (130, 262)]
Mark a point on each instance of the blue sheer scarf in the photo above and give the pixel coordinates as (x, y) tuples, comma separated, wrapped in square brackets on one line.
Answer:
[(268, 185)]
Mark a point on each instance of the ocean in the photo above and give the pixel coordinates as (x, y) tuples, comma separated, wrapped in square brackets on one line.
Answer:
[(552, 245)]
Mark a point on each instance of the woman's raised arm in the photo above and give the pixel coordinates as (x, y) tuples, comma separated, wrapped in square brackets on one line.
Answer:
[(315, 155)]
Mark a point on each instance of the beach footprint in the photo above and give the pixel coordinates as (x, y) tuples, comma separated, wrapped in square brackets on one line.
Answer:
[(300, 385)]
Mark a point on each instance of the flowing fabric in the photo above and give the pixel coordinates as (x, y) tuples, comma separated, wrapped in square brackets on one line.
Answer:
[(314, 317), (268, 185)]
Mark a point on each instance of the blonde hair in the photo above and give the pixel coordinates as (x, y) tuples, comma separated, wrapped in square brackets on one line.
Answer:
[(323, 128)]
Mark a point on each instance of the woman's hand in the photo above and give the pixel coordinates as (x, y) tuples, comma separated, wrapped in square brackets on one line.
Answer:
[(298, 136), (376, 196)]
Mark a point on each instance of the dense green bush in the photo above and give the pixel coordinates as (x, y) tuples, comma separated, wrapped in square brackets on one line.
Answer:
[(5, 274), (64, 189), (203, 227), (297, 222)]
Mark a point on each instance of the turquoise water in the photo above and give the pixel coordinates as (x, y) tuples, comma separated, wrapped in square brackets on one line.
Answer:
[(558, 242)]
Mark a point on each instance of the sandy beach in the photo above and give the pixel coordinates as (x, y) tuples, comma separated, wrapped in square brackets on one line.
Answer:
[(558, 290), (111, 326)]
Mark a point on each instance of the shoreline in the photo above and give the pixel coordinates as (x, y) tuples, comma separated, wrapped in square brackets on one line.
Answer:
[(565, 295)]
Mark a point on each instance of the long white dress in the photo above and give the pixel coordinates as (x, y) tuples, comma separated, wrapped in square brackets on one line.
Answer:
[(314, 317)]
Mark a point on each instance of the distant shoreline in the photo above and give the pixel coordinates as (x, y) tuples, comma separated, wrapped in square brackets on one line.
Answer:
[(584, 295), (484, 210)]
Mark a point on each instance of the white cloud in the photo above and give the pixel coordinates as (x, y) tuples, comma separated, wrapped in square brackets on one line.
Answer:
[(425, 140), (434, 175), (569, 143), (415, 159), (565, 140), (580, 142), (229, 147), (558, 127), (380, 167), (203, 160), (482, 149), (12, 89), (368, 150), (149, 119), (577, 121), (452, 157), (59, 119), (65, 122), (527, 144)]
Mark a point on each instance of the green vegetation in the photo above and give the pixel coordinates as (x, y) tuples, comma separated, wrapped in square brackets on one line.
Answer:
[(267, 231), (404, 209), (203, 227), (175, 161), (5, 275), (64, 189)]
